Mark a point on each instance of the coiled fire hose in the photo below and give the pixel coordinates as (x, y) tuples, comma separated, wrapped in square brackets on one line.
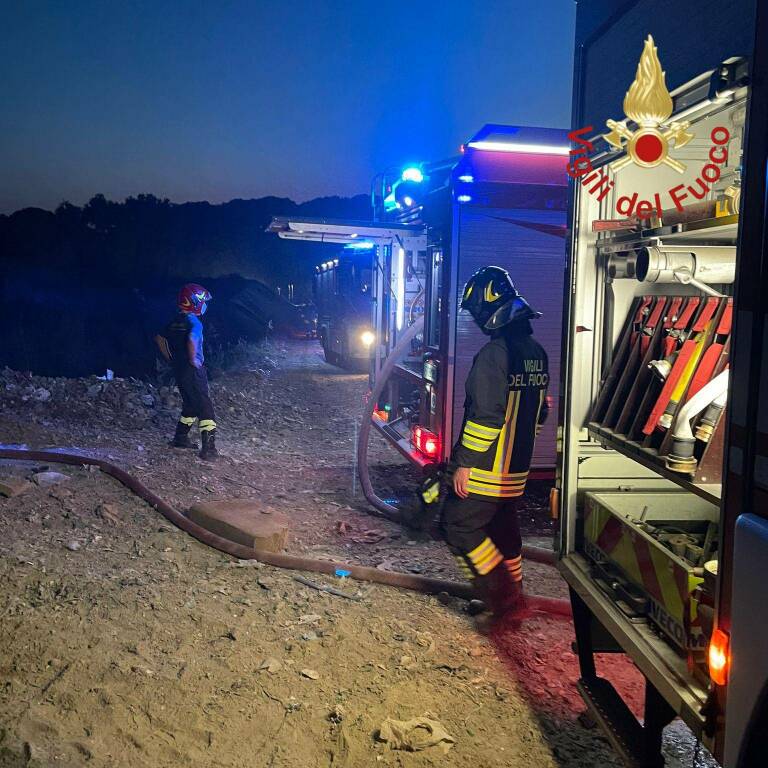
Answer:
[(535, 554), (277, 559)]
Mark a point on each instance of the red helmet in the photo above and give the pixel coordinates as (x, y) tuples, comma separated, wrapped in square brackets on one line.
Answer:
[(192, 298)]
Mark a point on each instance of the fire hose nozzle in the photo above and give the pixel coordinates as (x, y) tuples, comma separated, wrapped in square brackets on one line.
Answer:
[(680, 457), (661, 368), (706, 426), (665, 422)]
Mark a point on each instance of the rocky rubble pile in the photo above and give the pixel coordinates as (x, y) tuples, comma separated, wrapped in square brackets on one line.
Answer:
[(127, 403), (105, 398)]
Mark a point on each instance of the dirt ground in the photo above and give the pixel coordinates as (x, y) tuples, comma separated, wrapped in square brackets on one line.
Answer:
[(124, 642)]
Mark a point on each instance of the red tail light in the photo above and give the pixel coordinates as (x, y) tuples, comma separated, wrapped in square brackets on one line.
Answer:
[(719, 657), (426, 441)]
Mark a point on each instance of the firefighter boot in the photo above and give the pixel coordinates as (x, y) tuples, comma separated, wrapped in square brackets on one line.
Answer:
[(181, 438), (208, 452), (502, 597)]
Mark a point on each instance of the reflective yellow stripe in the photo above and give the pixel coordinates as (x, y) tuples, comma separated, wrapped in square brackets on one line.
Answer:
[(506, 486), (207, 425), (498, 461), (491, 564), (187, 421), (497, 479), (479, 438), (542, 397), (474, 444), (478, 430), (488, 550), (486, 473), (484, 546), (495, 489), (487, 490), (510, 441), (486, 558)]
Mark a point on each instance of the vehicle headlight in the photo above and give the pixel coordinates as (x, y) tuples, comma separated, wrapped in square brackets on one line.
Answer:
[(367, 337)]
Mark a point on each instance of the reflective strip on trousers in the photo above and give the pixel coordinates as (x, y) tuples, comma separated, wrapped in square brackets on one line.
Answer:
[(515, 568), (485, 557)]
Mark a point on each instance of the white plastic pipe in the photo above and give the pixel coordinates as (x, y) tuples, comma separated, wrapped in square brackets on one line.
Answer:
[(714, 390), (706, 263), (720, 401)]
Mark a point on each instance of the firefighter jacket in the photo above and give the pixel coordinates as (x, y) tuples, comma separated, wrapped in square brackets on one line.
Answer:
[(504, 408)]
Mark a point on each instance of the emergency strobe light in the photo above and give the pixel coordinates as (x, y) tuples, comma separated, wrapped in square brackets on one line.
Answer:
[(412, 173), (426, 441)]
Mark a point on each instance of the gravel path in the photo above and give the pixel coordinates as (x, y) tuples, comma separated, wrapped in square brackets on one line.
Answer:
[(123, 642)]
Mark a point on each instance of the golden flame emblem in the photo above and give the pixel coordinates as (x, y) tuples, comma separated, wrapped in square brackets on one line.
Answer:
[(648, 101), (649, 105)]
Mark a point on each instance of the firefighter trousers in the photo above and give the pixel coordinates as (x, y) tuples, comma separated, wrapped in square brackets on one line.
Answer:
[(483, 534), (195, 397)]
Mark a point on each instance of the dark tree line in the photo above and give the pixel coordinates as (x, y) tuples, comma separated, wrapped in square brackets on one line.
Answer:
[(85, 288)]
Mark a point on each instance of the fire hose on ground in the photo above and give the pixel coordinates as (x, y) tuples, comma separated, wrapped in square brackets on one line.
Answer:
[(276, 559), (391, 512)]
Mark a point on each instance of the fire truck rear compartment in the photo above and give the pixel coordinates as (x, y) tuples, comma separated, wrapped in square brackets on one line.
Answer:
[(640, 536)]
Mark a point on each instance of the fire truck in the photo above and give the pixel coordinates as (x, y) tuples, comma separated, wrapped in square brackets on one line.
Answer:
[(342, 293), (501, 201), (364, 294), (662, 479)]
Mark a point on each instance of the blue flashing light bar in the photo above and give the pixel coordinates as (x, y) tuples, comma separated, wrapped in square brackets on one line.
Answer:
[(523, 139), (412, 173), (532, 149)]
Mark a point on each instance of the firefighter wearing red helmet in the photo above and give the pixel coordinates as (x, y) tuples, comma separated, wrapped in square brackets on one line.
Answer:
[(505, 405), (181, 344)]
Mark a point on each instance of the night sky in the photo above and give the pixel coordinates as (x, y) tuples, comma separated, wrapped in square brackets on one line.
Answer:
[(299, 98)]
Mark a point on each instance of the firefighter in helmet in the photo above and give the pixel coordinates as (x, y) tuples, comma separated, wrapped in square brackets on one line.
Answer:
[(506, 402), (181, 344)]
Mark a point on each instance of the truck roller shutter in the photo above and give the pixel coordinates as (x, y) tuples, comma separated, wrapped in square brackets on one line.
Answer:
[(529, 244)]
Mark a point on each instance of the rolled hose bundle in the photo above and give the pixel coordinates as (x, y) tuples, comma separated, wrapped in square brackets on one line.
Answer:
[(277, 559)]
